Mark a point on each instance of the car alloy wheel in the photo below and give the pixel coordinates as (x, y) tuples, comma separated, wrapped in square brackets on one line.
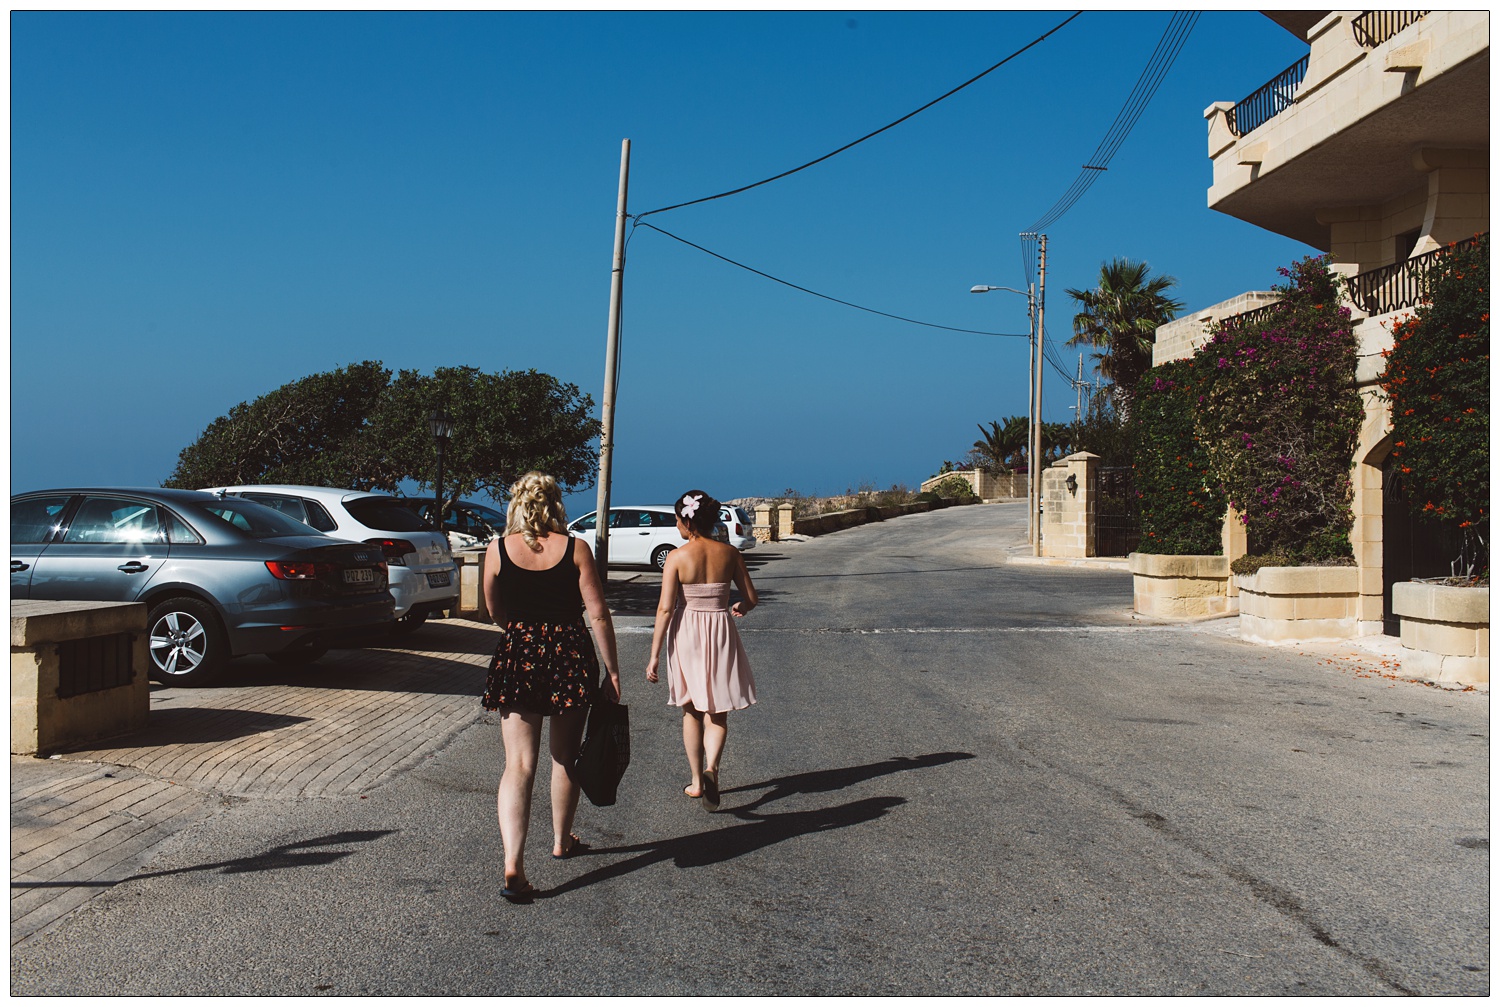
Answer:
[(659, 557), (187, 645)]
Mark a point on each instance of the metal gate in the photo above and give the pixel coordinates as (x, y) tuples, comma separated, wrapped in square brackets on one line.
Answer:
[(1117, 515), (1412, 548)]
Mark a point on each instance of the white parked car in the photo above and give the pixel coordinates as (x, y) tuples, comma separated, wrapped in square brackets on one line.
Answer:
[(645, 535), (423, 576), (738, 526)]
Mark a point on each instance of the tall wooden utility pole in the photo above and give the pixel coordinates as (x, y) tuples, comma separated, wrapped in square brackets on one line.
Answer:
[(1034, 480), (611, 373)]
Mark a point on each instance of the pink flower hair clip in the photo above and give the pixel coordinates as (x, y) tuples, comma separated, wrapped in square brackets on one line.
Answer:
[(690, 505)]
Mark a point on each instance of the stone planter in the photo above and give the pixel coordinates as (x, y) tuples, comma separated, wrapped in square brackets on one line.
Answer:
[(1445, 632), (1287, 604), (1182, 587)]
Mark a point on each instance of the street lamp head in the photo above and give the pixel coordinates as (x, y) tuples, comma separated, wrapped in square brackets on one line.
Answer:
[(441, 425), (980, 288)]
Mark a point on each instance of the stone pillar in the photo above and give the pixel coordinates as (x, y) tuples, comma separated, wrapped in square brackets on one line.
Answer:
[(1069, 511), (1232, 540), (783, 521), (764, 529)]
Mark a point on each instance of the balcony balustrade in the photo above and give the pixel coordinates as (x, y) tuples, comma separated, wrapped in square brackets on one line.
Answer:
[(1277, 94), (1396, 287), (1376, 27)]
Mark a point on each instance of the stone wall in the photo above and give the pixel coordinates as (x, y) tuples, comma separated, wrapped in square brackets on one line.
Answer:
[(1285, 604), (78, 673), (1445, 633)]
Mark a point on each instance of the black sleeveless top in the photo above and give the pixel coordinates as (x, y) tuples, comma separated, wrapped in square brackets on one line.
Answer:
[(549, 595)]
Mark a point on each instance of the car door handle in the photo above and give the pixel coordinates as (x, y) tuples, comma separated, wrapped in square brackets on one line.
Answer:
[(134, 566), (16, 566)]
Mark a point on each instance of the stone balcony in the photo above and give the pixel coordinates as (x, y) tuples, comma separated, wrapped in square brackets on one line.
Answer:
[(1366, 125)]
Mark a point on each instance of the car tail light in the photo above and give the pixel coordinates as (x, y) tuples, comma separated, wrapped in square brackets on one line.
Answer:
[(297, 571), (395, 549)]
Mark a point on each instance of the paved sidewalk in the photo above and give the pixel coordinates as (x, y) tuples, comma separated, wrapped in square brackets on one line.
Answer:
[(86, 820)]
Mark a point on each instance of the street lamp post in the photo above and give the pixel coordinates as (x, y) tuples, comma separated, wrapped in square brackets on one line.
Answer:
[(1032, 405), (441, 425)]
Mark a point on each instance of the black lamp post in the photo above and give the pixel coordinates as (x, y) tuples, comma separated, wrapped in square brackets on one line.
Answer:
[(441, 425)]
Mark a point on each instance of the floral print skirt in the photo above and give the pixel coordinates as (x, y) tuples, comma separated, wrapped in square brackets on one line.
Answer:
[(542, 667)]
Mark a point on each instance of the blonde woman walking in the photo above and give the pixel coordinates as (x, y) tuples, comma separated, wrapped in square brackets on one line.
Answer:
[(708, 669), (538, 579)]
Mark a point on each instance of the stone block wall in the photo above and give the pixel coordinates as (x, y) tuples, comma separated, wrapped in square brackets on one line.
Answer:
[(1445, 633), (55, 707), (1285, 604)]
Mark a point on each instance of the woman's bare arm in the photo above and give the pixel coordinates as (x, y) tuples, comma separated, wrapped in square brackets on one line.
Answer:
[(749, 599), (664, 606), (593, 600), (491, 584)]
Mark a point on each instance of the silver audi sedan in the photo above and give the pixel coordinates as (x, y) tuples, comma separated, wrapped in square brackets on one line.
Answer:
[(220, 577)]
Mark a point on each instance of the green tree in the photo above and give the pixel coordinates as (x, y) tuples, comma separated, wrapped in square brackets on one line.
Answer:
[(505, 425), (355, 427), (1119, 319), (310, 431)]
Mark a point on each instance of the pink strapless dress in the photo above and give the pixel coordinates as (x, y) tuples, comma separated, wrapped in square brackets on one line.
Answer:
[(707, 663)]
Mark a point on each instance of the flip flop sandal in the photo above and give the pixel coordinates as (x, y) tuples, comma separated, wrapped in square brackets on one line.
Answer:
[(519, 895), (710, 791), (572, 848)]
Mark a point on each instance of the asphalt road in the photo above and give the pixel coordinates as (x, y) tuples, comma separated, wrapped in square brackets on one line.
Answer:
[(962, 777)]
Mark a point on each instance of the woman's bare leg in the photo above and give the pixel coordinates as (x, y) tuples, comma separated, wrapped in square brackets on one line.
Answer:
[(714, 734), (692, 742), (522, 735), (563, 740)]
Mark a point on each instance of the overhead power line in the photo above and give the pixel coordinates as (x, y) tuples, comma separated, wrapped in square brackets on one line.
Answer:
[(836, 300), (745, 188), (1162, 58)]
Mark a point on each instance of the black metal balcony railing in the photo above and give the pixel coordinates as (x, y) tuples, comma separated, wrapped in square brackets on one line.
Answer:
[(1275, 95), (1400, 286), (1376, 27), (1254, 316)]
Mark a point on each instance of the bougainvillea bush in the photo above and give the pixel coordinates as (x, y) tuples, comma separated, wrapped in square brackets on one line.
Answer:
[(1437, 381), (1181, 506), (1279, 416)]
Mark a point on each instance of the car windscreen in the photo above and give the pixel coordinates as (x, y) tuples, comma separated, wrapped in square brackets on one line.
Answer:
[(255, 520), (384, 514)]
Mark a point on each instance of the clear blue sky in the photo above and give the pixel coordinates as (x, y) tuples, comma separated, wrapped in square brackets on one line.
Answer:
[(206, 206)]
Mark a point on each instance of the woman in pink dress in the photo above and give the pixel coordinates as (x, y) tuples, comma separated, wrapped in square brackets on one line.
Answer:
[(708, 670)]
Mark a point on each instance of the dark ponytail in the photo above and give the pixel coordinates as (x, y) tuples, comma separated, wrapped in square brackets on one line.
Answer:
[(705, 515)]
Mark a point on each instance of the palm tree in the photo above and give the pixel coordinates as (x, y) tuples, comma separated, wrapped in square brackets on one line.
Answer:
[(1003, 445), (1119, 318)]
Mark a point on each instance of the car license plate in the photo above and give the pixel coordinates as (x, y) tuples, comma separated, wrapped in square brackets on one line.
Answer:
[(360, 575), (439, 579)]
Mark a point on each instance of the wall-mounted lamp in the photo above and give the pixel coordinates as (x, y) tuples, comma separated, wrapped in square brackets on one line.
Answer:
[(1072, 484)]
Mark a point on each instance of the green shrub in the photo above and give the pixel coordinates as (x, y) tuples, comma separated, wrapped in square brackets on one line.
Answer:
[(1436, 379), (955, 487), (1181, 506), (1279, 416)]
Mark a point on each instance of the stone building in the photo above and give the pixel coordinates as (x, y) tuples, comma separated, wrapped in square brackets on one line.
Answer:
[(1374, 148)]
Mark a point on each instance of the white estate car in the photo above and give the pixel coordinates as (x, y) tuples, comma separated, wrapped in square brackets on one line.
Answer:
[(423, 576), (645, 535)]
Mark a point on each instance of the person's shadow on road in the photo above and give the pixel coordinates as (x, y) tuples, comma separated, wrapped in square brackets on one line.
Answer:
[(759, 831)]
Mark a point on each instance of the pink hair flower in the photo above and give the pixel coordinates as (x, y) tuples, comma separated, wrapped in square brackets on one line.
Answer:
[(690, 505)]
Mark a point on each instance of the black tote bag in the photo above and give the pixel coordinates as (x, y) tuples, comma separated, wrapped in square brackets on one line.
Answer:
[(605, 753)]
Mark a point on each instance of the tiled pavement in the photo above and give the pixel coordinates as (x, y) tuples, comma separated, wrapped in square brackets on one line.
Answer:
[(86, 820)]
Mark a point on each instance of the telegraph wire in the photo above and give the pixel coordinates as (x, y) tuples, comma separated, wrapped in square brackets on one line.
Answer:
[(1161, 61), (850, 304), (745, 188)]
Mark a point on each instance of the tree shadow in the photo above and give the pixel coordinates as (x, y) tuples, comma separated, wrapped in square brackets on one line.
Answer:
[(759, 831), (278, 858), (190, 725)]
